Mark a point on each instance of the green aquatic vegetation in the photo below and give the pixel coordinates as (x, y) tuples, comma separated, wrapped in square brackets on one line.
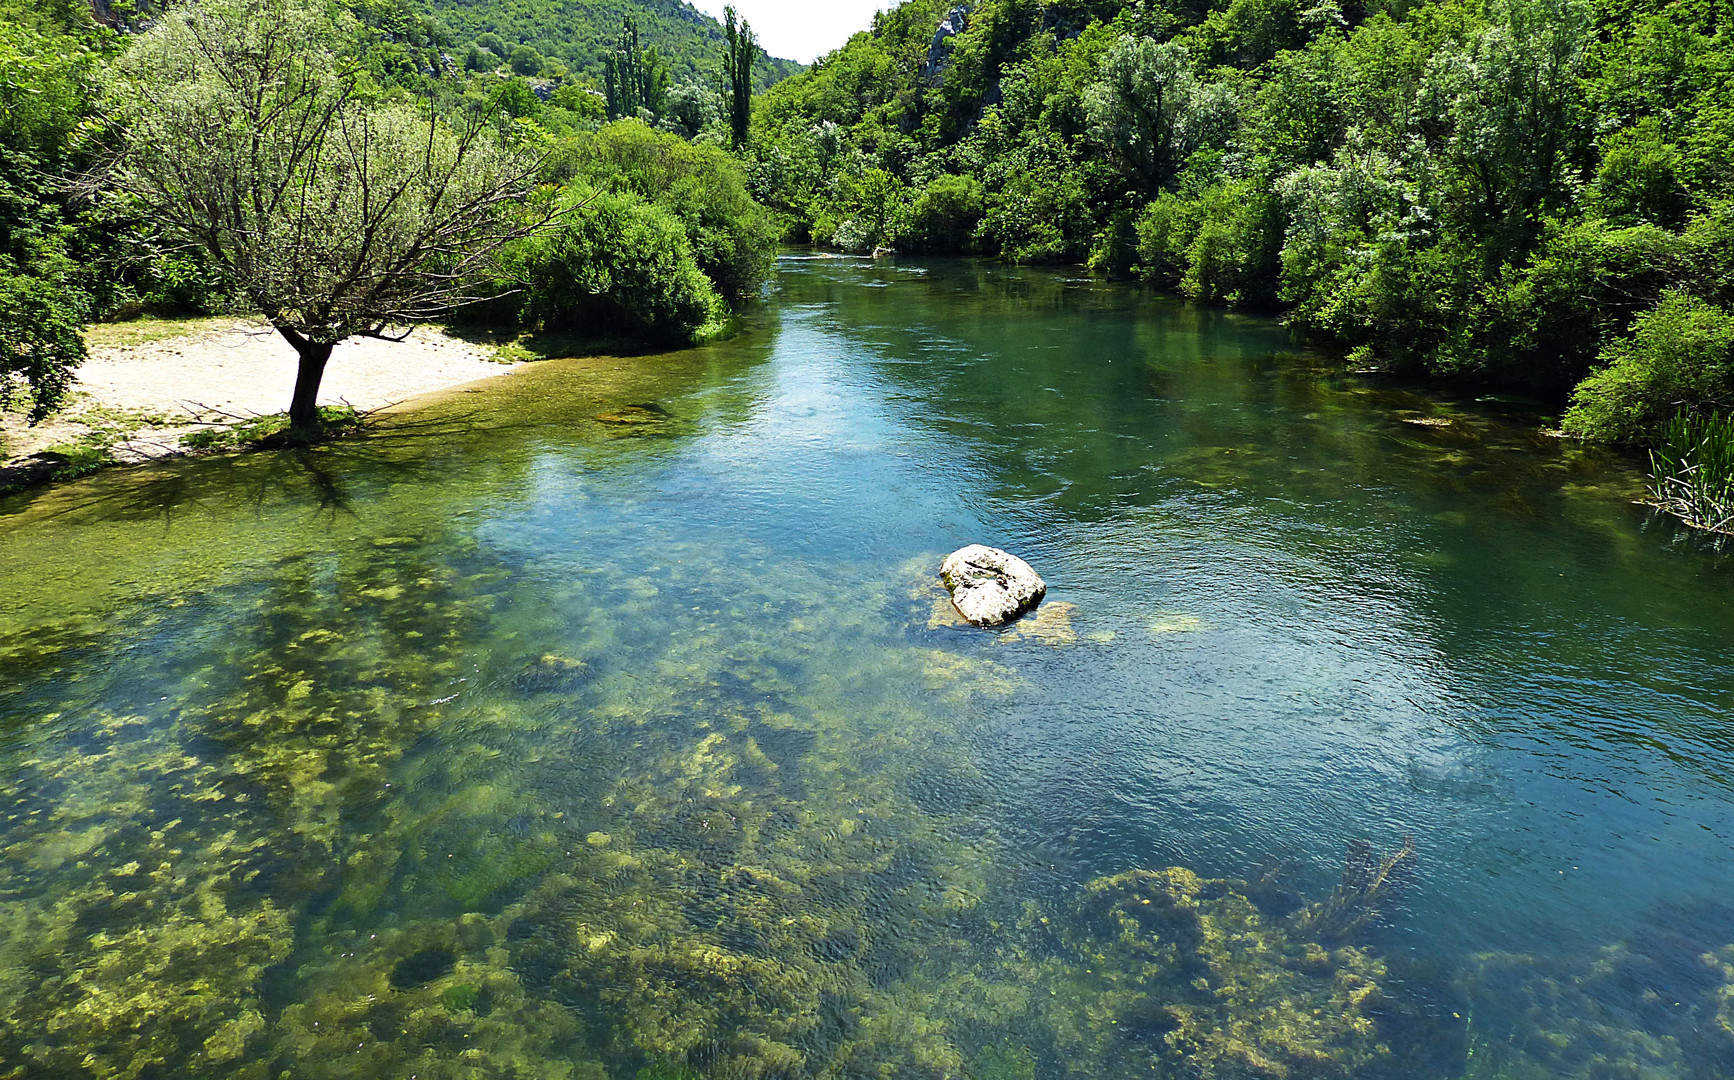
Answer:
[(369, 877), (1163, 973), (383, 854), (746, 881), (132, 938), (436, 998), (463, 851), (435, 817), (1692, 471), (1628, 1011), (155, 865), (1363, 888)]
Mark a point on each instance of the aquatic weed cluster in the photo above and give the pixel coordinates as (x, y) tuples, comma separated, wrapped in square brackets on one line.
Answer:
[(347, 845), (376, 828), (1692, 471)]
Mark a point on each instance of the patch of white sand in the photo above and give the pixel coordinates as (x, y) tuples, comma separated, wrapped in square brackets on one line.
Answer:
[(247, 369), (232, 370)]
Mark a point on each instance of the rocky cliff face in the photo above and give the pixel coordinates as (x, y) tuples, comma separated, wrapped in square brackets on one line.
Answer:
[(956, 21)]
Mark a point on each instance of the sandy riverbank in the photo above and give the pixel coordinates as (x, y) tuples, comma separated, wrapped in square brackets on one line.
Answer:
[(147, 384)]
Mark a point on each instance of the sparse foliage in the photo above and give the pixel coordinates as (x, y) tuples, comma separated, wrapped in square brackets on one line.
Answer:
[(246, 134)]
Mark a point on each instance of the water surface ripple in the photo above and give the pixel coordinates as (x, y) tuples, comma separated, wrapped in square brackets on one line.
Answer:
[(607, 721)]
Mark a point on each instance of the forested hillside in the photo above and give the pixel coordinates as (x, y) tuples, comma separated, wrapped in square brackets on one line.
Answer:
[(577, 33), (1523, 193)]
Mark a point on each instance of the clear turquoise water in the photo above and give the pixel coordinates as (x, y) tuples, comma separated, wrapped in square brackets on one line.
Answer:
[(605, 722)]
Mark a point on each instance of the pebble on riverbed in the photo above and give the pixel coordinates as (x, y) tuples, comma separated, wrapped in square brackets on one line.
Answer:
[(990, 587)]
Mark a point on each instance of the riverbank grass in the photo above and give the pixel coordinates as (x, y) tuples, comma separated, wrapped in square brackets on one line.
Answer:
[(268, 432), (131, 333), (1692, 471)]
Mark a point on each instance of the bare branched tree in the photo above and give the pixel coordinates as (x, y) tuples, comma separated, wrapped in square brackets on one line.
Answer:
[(244, 131)]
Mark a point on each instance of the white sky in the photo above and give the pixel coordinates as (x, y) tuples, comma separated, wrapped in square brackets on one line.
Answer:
[(801, 30)]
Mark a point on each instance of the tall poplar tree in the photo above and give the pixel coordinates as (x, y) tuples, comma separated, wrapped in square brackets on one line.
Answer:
[(634, 76), (741, 52)]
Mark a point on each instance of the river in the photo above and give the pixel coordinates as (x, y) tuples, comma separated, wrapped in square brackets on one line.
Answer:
[(608, 721)]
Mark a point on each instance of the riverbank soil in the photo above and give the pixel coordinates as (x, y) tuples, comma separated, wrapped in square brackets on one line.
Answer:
[(148, 383)]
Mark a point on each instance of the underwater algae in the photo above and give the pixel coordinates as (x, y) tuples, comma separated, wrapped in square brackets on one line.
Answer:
[(340, 850), (440, 806), (1659, 1006), (1164, 973)]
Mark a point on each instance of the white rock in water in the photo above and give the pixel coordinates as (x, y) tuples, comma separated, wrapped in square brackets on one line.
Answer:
[(990, 587)]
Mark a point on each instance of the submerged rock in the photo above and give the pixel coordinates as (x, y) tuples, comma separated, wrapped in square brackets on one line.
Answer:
[(1051, 626), (553, 673), (990, 587)]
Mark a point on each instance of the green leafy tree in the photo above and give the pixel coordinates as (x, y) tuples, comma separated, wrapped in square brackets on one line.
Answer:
[(45, 74), (634, 76), (1151, 111), (740, 52), (691, 109), (246, 133), (525, 60), (476, 59), (1511, 99)]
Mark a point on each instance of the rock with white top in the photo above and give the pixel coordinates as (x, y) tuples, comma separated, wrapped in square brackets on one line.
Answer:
[(990, 587)]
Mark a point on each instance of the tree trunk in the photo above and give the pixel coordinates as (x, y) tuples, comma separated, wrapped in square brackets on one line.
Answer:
[(304, 407)]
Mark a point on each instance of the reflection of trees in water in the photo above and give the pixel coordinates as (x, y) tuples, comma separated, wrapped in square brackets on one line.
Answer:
[(391, 806)]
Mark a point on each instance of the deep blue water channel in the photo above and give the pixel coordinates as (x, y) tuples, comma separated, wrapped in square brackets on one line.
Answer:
[(607, 721)]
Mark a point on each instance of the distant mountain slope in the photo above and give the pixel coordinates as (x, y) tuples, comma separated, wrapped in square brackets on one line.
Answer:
[(576, 32)]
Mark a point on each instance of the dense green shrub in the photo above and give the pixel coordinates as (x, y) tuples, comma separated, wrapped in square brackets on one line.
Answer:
[(1037, 206), (1639, 179), (873, 208), (1583, 288), (1679, 357), (1164, 232), (41, 342), (616, 263), (944, 216), (732, 238)]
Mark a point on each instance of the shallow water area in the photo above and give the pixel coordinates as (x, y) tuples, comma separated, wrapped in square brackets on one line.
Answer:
[(609, 721)]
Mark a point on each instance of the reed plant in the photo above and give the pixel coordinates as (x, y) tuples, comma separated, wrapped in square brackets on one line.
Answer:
[(1692, 471)]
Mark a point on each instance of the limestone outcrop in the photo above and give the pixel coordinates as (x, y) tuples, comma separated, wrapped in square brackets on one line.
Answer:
[(990, 587)]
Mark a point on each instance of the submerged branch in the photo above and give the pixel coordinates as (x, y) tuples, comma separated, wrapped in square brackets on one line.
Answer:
[(1356, 900)]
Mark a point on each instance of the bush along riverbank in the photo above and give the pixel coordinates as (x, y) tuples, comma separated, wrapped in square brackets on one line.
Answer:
[(1532, 195), (167, 167)]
